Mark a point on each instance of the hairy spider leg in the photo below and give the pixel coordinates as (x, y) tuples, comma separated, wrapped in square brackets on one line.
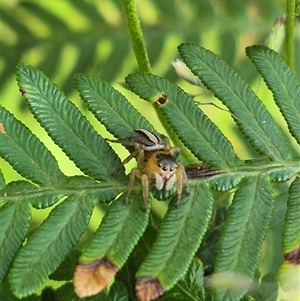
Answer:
[(181, 180), (174, 151), (137, 173), (134, 173), (145, 184), (131, 156), (167, 142)]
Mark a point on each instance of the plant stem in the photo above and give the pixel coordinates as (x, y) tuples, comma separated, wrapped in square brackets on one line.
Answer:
[(136, 35), (137, 41), (139, 48), (289, 33)]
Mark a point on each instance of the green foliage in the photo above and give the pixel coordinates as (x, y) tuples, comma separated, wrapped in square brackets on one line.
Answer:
[(91, 38), (267, 289), (47, 247), (72, 132), (110, 107), (126, 235), (191, 286), (120, 230), (282, 82), (165, 260), (245, 226), (185, 117), (27, 155), (249, 113), (14, 222), (291, 238)]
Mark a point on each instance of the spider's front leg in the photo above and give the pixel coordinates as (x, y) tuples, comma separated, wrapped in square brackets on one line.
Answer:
[(181, 179), (137, 173), (131, 156), (145, 184), (134, 173)]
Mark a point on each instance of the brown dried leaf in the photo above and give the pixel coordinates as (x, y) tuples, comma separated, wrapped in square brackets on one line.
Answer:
[(90, 279), (148, 289)]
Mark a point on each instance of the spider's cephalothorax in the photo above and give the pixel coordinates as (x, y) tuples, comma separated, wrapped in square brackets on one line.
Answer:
[(156, 163)]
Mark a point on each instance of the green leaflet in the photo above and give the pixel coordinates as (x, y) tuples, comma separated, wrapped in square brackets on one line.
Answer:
[(291, 238), (49, 244), (242, 238), (126, 275), (117, 292), (26, 153), (190, 287), (7, 295), (66, 293), (67, 126), (207, 143), (272, 256), (48, 293), (40, 197), (226, 182), (14, 191), (102, 192), (65, 271), (184, 226), (23, 191), (281, 81), (283, 174), (249, 113), (267, 290), (14, 222), (110, 107), (119, 231)]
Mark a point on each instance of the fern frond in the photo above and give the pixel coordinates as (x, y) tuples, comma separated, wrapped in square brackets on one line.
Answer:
[(110, 107), (26, 153), (208, 143), (243, 235), (249, 113), (49, 245), (169, 253), (14, 222), (118, 232), (66, 125), (291, 239), (282, 82), (126, 241), (190, 286)]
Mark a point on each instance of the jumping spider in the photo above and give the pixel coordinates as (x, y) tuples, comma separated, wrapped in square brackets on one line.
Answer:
[(156, 163)]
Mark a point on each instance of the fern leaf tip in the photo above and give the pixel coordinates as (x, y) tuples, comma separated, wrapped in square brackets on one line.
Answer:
[(90, 279), (148, 289)]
